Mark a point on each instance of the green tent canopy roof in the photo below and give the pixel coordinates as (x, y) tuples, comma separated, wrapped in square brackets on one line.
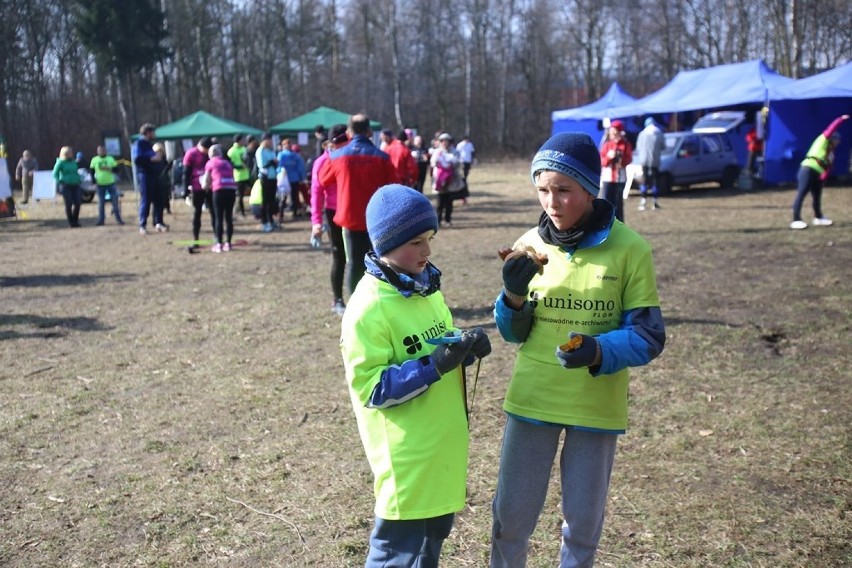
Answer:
[(326, 116), (200, 124)]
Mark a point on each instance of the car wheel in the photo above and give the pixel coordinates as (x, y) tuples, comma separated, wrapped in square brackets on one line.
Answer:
[(88, 197), (729, 177), (664, 183)]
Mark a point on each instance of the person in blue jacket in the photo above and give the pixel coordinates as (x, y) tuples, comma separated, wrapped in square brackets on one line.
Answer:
[(582, 319), (293, 163)]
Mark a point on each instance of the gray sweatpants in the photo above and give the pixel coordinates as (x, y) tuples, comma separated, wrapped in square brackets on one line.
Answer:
[(526, 461)]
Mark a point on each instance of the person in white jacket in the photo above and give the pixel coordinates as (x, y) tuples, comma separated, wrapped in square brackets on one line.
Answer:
[(649, 146)]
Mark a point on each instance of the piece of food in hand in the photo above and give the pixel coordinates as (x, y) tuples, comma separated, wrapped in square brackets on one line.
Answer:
[(572, 344), (539, 258)]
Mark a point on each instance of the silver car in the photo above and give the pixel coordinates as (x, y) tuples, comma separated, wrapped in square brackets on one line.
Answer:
[(697, 157)]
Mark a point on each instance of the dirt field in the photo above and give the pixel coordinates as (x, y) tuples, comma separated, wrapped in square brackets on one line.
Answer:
[(165, 409)]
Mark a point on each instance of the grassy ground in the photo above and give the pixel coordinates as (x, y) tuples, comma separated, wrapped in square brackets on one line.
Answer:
[(165, 409)]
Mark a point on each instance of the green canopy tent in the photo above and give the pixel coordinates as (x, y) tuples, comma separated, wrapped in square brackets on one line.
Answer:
[(325, 116), (200, 124), (195, 126)]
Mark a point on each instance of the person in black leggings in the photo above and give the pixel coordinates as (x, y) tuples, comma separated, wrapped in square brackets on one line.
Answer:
[(323, 209), (223, 188), (443, 162), (194, 162)]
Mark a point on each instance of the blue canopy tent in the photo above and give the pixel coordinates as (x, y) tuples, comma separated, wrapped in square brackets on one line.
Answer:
[(730, 86), (588, 118), (720, 87), (799, 112)]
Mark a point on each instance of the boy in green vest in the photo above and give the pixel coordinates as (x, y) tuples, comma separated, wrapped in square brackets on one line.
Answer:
[(406, 384), (582, 318)]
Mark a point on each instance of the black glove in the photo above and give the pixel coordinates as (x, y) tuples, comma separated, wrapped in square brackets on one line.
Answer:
[(517, 273), (481, 344), (582, 356), (448, 357)]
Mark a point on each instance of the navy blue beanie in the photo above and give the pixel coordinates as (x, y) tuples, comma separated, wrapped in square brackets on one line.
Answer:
[(396, 214), (572, 154)]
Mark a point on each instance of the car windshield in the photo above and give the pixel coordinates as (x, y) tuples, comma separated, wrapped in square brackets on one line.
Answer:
[(718, 122)]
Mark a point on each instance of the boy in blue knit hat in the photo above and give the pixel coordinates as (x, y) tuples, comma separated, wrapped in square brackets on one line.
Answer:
[(582, 320), (404, 362)]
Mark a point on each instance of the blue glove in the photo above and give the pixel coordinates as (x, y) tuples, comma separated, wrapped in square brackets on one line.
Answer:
[(481, 344), (315, 242), (449, 356), (517, 273), (582, 356)]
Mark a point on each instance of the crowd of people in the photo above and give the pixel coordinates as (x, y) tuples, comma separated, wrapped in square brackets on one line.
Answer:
[(332, 188)]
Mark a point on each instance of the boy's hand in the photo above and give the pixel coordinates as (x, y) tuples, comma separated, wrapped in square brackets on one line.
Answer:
[(583, 355), (518, 271), (481, 344), (449, 356)]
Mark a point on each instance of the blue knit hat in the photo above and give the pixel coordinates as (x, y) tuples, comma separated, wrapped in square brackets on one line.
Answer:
[(572, 154), (396, 214), (649, 121)]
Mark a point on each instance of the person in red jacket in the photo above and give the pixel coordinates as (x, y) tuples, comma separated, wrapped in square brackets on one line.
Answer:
[(616, 152), (754, 144), (358, 169), (400, 157)]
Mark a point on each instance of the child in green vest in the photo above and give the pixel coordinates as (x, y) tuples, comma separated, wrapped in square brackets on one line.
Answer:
[(406, 385), (583, 315)]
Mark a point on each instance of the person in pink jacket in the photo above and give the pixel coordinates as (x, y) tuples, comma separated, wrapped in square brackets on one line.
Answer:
[(323, 208), (219, 174)]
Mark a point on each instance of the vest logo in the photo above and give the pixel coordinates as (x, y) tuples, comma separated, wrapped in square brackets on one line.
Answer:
[(607, 277), (412, 344), (534, 299), (437, 330), (572, 303)]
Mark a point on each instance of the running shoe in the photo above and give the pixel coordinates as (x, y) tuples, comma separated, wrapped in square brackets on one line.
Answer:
[(338, 307)]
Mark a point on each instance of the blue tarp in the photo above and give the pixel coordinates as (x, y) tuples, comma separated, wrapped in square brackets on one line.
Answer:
[(720, 87), (834, 83), (798, 113), (588, 118), (799, 110)]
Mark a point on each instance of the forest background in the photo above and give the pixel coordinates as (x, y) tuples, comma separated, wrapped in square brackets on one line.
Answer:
[(73, 70)]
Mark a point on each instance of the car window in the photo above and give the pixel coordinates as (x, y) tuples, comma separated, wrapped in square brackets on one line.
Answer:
[(711, 144), (689, 147), (726, 143)]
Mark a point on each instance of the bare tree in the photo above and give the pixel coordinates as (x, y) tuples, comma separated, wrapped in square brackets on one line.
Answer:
[(484, 66), (588, 42)]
